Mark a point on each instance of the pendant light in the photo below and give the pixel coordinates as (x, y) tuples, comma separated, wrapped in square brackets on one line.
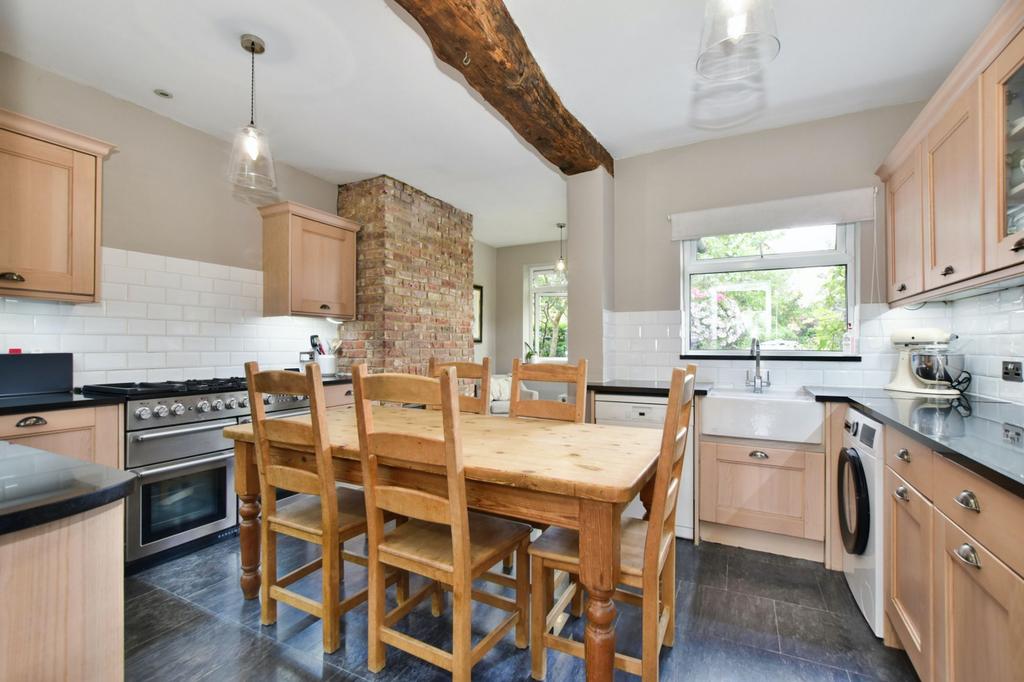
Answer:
[(252, 166), (738, 39), (560, 265)]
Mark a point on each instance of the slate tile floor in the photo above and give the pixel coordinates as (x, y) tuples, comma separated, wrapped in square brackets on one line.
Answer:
[(742, 615)]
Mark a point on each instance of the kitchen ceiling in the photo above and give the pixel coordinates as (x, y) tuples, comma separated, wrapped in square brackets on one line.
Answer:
[(350, 89)]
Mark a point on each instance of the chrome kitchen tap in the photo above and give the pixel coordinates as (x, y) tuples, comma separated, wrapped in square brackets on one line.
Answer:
[(758, 382)]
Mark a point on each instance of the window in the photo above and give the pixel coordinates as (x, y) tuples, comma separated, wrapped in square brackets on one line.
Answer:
[(793, 289), (548, 319)]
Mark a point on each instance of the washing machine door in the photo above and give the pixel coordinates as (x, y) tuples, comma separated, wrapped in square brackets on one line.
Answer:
[(854, 505)]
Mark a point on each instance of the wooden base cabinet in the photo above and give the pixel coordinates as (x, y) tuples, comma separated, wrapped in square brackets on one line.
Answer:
[(93, 434), (979, 610), (908, 572)]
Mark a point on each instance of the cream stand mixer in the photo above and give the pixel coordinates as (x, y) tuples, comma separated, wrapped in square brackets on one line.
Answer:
[(926, 367)]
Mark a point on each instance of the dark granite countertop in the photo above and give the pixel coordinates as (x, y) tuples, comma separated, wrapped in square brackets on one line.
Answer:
[(45, 402), (649, 388), (968, 430), (337, 379), (37, 487)]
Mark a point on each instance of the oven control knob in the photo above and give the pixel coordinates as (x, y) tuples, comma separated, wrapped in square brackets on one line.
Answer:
[(143, 413), (203, 406), (177, 409), (244, 402), (161, 411), (218, 405), (232, 403), (269, 399)]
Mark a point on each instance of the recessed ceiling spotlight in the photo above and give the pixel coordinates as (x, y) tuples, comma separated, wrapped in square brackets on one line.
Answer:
[(160, 92)]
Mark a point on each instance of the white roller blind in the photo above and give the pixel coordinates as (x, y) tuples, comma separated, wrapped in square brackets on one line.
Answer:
[(848, 206)]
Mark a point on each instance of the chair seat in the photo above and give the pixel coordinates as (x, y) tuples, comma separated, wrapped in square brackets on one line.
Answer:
[(563, 546), (430, 544), (302, 513)]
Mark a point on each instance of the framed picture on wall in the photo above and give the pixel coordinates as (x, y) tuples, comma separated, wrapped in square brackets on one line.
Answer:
[(478, 313)]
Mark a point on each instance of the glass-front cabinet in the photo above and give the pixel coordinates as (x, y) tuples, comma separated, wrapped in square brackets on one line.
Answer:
[(1003, 84)]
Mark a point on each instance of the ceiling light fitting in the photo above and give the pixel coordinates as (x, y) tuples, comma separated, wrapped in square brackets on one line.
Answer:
[(738, 39), (252, 165), (166, 94), (560, 265)]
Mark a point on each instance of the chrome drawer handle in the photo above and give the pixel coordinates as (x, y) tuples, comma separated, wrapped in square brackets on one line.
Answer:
[(324, 306), (903, 454), (968, 555), (901, 493), (947, 271), (12, 277), (902, 287), (968, 500), (348, 392), (144, 437), (1018, 245), (30, 421), (758, 454)]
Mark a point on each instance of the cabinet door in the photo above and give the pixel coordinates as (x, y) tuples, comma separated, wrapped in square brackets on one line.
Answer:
[(908, 580), (904, 229), (1003, 130), (979, 610), (47, 217), (953, 232), (323, 269)]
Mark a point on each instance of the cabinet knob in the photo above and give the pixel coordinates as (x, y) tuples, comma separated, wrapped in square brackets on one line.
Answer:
[(1018, 245), (947, 271), (324, 306), (901, 287), (30, 421), (11, 277), (758, 454), (969, 501), (968, 555), (903, 454), (901, 493)]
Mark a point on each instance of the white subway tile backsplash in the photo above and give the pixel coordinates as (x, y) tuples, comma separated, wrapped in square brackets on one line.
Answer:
[(151, 324)]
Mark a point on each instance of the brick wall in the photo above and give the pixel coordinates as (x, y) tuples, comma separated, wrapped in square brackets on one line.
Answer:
[(414, 283)]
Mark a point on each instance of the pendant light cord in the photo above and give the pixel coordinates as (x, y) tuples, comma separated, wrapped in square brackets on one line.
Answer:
[(252, 87)]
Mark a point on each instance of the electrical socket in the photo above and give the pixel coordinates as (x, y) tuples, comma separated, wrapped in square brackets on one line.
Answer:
[(1012, 371)]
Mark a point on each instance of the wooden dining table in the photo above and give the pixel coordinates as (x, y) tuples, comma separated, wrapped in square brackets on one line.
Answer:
[(578, 476)]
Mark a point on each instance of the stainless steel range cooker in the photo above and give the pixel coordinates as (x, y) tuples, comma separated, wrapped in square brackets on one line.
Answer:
[(174, 441)]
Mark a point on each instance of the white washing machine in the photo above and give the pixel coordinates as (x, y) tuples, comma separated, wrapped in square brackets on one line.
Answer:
[(859, 490)]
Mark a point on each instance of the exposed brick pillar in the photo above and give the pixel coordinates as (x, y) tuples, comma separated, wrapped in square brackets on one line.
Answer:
[(414, 281)]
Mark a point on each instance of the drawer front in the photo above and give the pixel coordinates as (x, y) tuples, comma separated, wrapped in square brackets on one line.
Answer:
[(338, 395), (640, 414), (761, 456), (988, 512), (29, 423), (911, 460)]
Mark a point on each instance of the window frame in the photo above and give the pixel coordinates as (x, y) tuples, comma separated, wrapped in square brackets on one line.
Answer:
[(530, 295), (846, 253)]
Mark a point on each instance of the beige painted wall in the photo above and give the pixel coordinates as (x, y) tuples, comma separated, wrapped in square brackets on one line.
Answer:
[(485, 273), (164, 189), (512, 262), (821, 156)]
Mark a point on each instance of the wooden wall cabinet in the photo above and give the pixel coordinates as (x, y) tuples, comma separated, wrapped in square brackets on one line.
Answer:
[(905, 228), (979, 610), (953, 231), (309, 262), (50, 206), (773, 489), (908, 569), (93, 434)]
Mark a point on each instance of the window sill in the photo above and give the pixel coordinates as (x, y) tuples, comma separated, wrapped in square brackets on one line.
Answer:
[(799, 357), (547, 361)]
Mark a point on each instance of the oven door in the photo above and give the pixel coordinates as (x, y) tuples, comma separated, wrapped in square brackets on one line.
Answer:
[(180, 501)]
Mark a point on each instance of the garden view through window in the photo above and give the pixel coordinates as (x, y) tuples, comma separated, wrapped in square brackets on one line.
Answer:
[(549, 319), (789, 288)]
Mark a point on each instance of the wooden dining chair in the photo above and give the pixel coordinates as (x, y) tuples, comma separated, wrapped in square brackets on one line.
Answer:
[(442, 540), (480, 402), (549, 373), (296, 457), (648, 549)]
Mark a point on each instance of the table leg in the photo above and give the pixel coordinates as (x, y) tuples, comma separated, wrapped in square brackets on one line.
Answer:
[(599, 573), (247, 487)]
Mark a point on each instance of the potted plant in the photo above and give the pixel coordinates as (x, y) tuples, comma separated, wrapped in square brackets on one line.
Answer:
[(528, 357)]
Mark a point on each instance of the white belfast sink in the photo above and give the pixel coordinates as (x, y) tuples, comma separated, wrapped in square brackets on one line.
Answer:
[(789, 415)]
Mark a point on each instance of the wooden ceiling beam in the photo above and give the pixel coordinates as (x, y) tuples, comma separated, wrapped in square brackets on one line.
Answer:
[(481, 41)]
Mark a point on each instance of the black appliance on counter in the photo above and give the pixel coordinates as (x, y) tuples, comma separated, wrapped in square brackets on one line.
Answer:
[(174, 442), (35, 373)]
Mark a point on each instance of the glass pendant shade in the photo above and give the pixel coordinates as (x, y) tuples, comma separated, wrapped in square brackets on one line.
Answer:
[(739, 38), (252, 165), (560, 265)]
